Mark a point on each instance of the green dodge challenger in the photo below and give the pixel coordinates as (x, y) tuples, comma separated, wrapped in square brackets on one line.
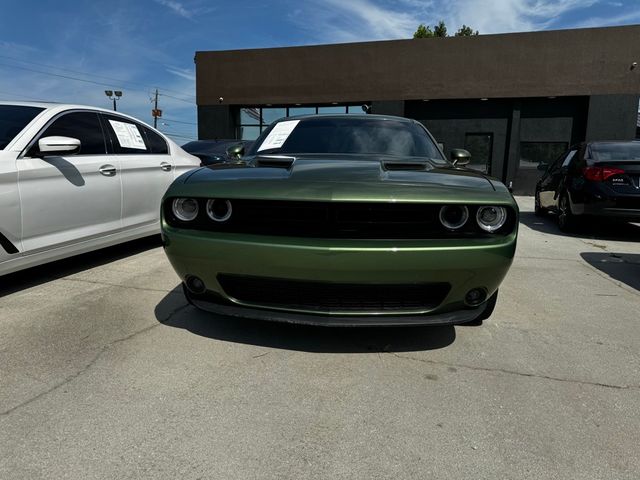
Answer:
[(342, 220)]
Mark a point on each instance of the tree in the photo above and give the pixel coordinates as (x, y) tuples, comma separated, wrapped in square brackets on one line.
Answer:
[(423, 32), (440, 30), (465, 31)]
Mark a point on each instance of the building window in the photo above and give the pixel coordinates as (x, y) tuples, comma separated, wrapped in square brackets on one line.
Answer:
[(533, 153), (480, 146), (253, 120)]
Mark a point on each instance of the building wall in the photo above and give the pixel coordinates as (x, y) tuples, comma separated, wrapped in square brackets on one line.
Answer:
[(579, 62)]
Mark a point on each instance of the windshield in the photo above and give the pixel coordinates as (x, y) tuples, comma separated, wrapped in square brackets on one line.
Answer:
[(622, 151), (348, 135), (211, 146), (13, 118)]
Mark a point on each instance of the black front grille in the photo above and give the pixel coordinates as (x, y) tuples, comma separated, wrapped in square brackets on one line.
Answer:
[(333, 297), (335, 220)]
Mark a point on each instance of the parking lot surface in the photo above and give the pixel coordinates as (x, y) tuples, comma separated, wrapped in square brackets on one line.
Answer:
[(106, 372)]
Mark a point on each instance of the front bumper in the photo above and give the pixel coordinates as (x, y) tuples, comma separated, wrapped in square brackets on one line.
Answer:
[(463, 264), (230, 310)]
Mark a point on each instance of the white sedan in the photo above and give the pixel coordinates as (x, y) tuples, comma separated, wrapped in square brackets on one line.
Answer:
[(75, 178)]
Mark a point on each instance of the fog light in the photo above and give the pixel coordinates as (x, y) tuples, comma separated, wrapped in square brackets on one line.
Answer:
[(195, 285), (475, 297)]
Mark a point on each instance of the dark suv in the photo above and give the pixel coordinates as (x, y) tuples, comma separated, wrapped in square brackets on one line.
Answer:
[(592, 179)]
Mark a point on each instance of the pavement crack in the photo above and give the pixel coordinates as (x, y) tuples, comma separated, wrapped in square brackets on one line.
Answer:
[(80, 372), (107, 284), (520, 374)]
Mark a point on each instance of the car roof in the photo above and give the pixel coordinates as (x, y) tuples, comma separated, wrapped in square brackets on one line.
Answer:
[(59, 107), (361, 116)]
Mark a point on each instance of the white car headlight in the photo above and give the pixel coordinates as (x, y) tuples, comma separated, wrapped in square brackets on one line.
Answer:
[(185, 209), (491, 218), (453, 217), (219, 210)]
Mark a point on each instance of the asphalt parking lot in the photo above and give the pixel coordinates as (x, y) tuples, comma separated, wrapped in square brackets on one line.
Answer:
[(106, 372)]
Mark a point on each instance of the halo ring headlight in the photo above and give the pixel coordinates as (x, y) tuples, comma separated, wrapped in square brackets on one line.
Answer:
[(454, 217), (185, 209), (491, 218), (219, 210)]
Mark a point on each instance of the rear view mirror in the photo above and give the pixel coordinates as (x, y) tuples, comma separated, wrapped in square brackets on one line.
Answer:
[(56, 146), (236, 151), (460, 157)]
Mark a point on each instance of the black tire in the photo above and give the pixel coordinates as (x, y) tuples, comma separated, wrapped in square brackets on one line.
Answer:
[(489, 308), (537, 209), (566, 219)]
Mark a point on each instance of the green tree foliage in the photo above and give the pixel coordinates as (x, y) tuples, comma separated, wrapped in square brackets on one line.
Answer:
[(465, 31), (440, 30), (423, 32)]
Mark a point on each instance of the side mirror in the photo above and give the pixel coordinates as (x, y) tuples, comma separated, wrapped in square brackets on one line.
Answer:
[(542, 166), (55, 146), (460, 157), (236, 151)]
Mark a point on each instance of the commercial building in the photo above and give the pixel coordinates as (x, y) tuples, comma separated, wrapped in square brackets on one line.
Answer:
[(513, 100)]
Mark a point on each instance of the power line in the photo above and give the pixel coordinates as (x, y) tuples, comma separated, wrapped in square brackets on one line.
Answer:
[(85, 80), (92, 75), (178, 121)]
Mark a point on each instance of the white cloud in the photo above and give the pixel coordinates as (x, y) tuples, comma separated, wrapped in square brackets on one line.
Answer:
[(358, 20), (183, 73), (354, 20), (626, 18), (177, 8)]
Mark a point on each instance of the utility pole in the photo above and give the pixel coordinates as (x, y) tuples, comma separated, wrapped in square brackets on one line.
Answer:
[(156, 112)]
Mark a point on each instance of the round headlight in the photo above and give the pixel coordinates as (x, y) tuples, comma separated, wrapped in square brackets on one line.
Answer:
[(491, 219), (219, 210), (185, 209), (454, 217)]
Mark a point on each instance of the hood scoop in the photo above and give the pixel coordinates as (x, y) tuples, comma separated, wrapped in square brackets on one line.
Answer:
[(275, 161), (406, 166)]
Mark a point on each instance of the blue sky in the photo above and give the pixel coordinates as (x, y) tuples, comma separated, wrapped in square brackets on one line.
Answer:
[(137, 45)]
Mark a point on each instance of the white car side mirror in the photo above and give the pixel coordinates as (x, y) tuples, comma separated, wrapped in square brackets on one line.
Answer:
[(49, 146)]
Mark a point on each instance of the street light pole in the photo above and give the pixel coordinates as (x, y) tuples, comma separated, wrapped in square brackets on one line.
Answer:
[(113, 95)]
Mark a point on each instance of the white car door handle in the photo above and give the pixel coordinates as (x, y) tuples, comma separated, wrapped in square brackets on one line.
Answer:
[(108, 170), (165, 166)]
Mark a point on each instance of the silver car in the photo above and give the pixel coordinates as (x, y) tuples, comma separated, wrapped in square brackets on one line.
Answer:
[(75, 178)]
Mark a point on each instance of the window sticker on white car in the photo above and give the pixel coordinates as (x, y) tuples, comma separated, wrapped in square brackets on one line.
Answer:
[(278, 135), (128, 135)]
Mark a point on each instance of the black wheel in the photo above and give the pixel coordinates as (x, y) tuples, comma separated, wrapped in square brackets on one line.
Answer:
[(566, 219), (537, 209), (490, 306)]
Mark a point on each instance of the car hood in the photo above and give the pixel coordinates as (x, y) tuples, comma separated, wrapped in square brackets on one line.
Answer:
[(345, 178)]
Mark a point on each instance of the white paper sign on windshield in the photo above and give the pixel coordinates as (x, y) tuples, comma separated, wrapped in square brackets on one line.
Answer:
[(278, 135), (128, 135)]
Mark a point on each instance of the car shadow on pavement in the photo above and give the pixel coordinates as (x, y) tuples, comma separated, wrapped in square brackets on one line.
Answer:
[(592, 229), (623, 267), (34, 276), (174, 311)]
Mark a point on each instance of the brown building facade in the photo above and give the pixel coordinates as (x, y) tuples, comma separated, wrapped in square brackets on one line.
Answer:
[(512, 99)]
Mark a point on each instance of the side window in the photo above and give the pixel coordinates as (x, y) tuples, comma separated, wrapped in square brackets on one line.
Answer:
[(156, 142), (126, 136), (85, 126)]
